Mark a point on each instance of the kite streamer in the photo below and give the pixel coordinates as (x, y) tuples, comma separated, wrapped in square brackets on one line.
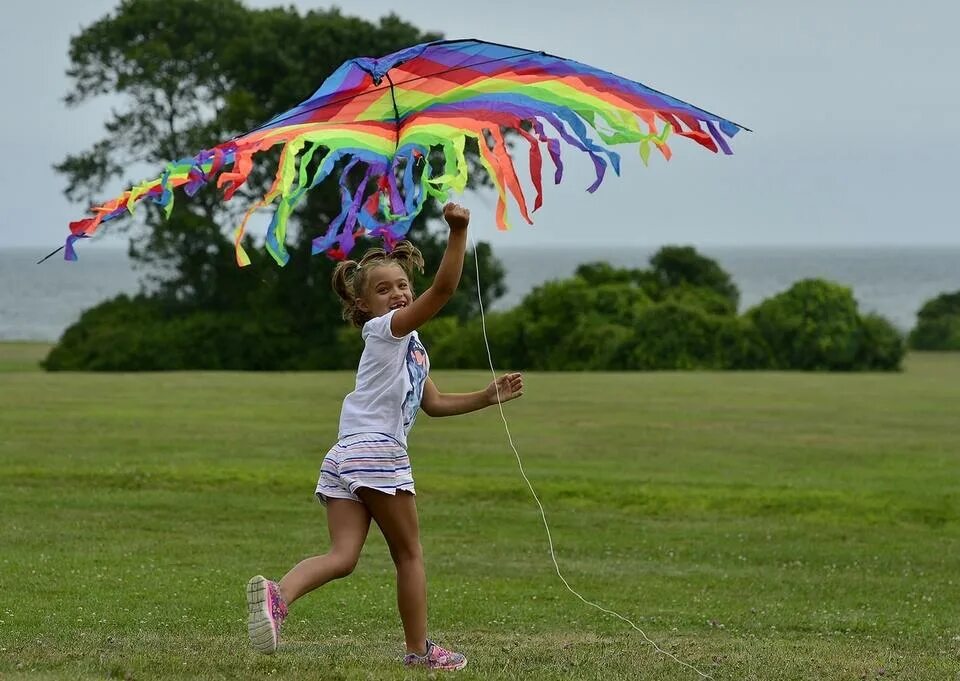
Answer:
[(401, 124)]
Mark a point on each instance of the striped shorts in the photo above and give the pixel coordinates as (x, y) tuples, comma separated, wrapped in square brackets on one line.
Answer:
[(364, 460)]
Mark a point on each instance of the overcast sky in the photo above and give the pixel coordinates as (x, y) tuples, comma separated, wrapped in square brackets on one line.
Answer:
[(854, 106)]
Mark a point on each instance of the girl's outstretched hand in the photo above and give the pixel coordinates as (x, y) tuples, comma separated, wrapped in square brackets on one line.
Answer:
[(509, 387), (456, 216)]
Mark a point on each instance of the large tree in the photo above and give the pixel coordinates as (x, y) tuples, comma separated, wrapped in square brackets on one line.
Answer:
[(191, 73)]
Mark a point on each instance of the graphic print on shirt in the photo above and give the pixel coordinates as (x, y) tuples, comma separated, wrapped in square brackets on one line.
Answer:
[(417, 373)]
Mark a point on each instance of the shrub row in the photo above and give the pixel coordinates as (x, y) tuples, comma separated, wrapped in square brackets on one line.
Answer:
[(679, 314), (572, 325)]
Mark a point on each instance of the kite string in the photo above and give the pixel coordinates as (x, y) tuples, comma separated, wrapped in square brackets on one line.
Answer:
[(536, 498)]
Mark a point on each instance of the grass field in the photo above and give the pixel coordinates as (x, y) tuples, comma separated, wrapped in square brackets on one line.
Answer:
[(759, 526)]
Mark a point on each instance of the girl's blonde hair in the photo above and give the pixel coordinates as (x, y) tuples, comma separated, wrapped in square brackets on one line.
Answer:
[(350, 277)]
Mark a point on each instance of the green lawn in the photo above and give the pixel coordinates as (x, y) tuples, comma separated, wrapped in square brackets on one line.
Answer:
[(758, 525), (22, 355)]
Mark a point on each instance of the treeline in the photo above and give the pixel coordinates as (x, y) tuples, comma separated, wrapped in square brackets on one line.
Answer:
[(680, 313)]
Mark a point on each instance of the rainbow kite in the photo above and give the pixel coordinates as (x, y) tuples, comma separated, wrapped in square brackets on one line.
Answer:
[(400, 123)]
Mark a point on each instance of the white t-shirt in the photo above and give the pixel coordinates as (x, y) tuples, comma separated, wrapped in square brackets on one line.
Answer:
[(390, 382)]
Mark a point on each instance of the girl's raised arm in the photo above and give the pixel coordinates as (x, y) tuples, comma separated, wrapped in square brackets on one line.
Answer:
[(429, 303)]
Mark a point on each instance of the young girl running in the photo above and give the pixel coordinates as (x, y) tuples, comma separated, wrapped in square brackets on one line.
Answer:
[(367, 473)]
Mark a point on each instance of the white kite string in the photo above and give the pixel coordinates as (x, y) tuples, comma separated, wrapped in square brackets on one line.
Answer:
[(543, 514)]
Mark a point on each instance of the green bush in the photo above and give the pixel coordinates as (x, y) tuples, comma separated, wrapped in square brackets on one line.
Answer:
[(741, 346), (670, 335), (603, 319), (815, 325), (109, 337), (702, 297), (882, 346), (452, 344), (593, 342), (136, 334), (553, 311), (938, 324), (944, 305), (597, 273), (676, 266), (936, 334), (349, 346)]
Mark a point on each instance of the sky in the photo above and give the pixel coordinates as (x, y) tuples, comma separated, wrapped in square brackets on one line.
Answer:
[(854, 108)]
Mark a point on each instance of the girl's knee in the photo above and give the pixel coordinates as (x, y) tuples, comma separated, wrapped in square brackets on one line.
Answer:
[(407, 553), (343, 564)]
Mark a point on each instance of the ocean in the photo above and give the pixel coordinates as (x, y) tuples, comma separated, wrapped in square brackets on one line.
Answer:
[(37, 302)]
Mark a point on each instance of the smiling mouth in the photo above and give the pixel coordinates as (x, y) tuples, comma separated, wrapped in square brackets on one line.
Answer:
[(398, 305)]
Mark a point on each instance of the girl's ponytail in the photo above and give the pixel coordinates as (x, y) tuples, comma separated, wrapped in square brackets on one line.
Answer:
[(344, 280), (407, 256)]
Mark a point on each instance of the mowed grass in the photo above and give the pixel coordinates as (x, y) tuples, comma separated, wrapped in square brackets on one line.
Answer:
[(757, 525), (22, 355)]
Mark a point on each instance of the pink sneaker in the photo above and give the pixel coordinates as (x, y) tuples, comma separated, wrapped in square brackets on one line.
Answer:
[(436, 658), (267, 612)]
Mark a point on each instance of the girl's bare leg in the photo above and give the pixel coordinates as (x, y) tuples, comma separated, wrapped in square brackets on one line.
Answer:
[(348, 522), (397, 518)]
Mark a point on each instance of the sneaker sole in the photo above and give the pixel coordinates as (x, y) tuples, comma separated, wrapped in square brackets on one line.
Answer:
[(456, 668), (260, 627), (448, 668)]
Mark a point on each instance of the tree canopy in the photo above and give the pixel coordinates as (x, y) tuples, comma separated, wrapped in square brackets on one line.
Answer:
[(938, 324), (190, 74)]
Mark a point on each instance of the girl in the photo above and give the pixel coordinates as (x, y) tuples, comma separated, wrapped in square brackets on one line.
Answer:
[(367, 473)]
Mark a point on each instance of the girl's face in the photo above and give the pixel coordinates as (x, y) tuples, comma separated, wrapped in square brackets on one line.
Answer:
[(388, 288)]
